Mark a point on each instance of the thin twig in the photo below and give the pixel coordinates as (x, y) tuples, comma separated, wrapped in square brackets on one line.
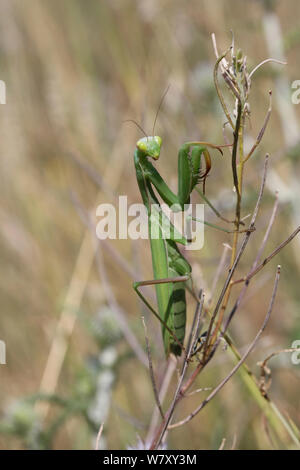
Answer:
[(268, 258), (222, 445), (276, 61), (267, 233), (219, 271), (233, 445), (262, 131), (99, 436), (241, 361), (203, 389), (171, 366)]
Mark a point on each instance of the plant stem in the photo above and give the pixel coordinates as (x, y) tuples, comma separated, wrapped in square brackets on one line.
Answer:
[(238, 182)]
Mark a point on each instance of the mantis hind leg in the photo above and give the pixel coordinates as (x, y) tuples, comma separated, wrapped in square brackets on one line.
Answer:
[(173, 325), (249, 229)]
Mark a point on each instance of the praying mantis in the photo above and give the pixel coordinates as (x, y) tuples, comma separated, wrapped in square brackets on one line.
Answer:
[(172, 272)]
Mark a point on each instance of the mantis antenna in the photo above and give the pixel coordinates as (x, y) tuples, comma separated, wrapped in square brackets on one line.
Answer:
[(137, 125), (159, 106), (157, 112)]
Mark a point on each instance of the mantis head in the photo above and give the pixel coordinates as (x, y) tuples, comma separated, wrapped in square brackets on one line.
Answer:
[(150, 146)]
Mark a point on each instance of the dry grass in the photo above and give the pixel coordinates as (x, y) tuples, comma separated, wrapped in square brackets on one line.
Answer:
[(74, 71)]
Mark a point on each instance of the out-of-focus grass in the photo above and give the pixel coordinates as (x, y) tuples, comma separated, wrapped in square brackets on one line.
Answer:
[(74, 71)]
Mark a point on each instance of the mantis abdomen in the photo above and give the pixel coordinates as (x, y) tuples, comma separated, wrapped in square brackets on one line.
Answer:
[(168, 263), (177, 317)]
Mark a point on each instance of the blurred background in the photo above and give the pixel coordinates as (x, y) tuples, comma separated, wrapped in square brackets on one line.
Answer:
[(74, 71)]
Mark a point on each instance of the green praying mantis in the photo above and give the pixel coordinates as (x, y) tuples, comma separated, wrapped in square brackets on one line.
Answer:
[(172, 272)]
